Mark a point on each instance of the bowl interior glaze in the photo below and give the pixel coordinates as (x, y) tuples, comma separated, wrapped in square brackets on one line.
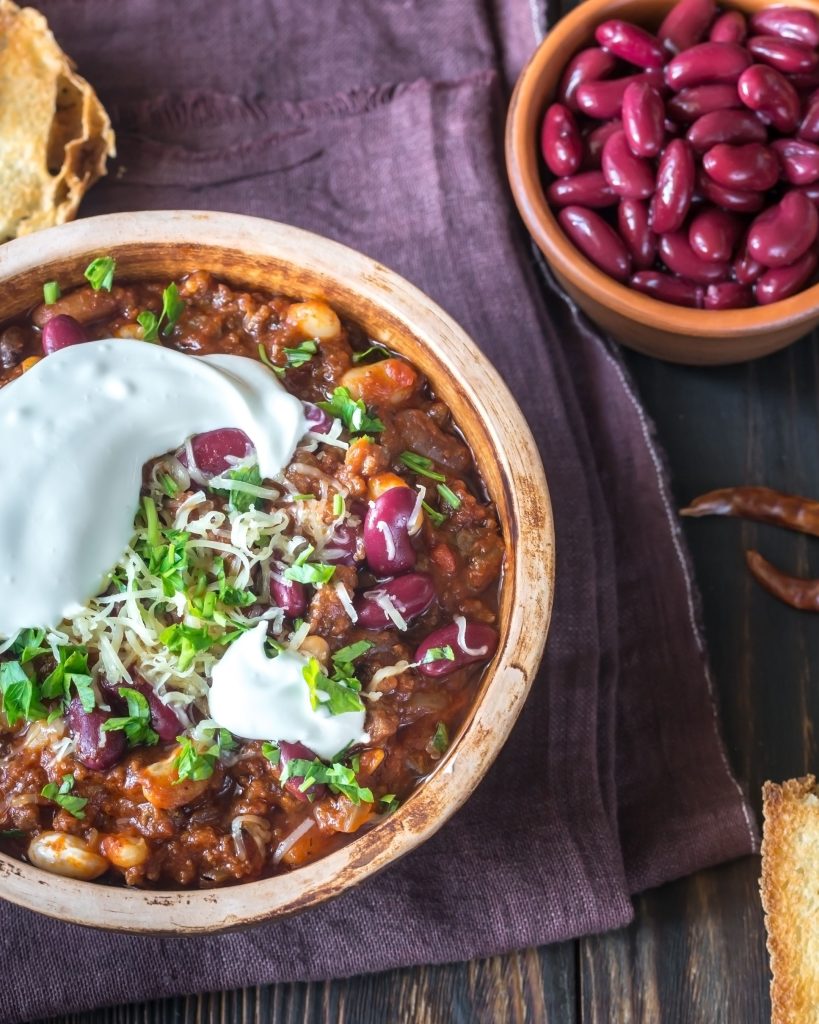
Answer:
[(674, 333), (256, 253)]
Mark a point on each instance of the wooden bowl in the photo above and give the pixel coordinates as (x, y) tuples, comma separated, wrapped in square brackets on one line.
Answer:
[(675, 333), (261, 254)]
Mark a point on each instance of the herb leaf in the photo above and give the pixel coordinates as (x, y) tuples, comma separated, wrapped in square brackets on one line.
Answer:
[(172, 308), (310, 572), (240, 500), (301, 354), (373, 350), (100, 273), (197, 761), (137, 724), (271, 752), (352, 413), (51, 292), (62, 796), (421, 465), (435, 517), (29, 645), (21, 696), (338, 777), (440, 738), (449, 496), (344, 658), (149, 322), (72, 670), (438, 654), (187, 642), (337, 695)]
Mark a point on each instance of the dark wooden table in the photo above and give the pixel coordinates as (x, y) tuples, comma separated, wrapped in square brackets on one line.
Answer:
[(696, 951)]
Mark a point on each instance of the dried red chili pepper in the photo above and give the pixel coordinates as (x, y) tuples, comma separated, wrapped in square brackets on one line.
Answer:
[(793, 590), (761, 504)]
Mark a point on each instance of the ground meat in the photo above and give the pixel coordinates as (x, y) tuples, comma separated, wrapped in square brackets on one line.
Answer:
[(422, 435), (327, 615)]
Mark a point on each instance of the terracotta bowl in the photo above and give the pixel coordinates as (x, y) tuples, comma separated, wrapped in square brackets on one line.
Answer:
[(656, 328), (261, 254)]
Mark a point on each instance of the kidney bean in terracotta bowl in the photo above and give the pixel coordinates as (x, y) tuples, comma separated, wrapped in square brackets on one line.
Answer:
[(665, 157)]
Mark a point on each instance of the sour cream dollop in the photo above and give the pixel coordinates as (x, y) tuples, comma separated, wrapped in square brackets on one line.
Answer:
[(261, 698), (75, 432)]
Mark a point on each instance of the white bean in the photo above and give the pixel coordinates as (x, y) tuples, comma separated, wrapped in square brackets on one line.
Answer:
[(64, 854)]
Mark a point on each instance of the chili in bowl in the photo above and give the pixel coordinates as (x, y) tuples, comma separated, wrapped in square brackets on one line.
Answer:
[(269, 599)]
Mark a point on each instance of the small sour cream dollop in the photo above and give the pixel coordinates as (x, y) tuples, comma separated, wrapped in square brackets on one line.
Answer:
[(75, 432), (263, 698)]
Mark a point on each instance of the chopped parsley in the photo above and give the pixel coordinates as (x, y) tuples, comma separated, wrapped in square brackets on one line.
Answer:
[(338, 694), (310, 572), (21, 696), (438, 654), (390, 801), (63, 797), (100, 273), (137, 723), (187, 641), (303, 497), (149, 322), (347, 655), (302, 354), (165, 551), (169, 485), (232, 596), (197, 761), (352, 413), (28, 644), (265, 358), (440, 738), (449, 496), (435, 517), (72, 671), (271, 752), (51, 292), (373, 350), (172, 308), (338, 504), (421, 465), (240, 500), (338, 777)]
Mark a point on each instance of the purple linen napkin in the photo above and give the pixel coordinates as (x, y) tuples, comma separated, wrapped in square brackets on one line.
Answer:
[(378, 122)]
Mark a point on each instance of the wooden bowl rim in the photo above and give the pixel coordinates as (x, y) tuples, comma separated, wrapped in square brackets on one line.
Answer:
[(522, 123), (526, 599)]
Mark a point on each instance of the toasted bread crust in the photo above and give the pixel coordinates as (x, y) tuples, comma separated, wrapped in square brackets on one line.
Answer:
[(790, 897)]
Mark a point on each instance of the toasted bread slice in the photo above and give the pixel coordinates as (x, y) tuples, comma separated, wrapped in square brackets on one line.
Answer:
[(790, 897)]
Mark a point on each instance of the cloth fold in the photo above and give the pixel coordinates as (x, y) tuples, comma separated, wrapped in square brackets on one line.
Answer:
[(381, 127)]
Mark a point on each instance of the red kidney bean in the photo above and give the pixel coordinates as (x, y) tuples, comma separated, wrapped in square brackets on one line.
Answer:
[(680, 258), (799, 160), (586, 66), (299, 752), (628, 175), (289, 595), (560, 141), (730, 27), (770, 95), (643, 119), (213, 451), (805, 83), (595, 140), (61, 331), (689, 104), (674, 189), (809, 128), (412, 594), (753, 168), (630, 43), (597, 241), (634, 228), (667, 288), (706, 63), (686, 24), (733, 126), (387, 543), (727, 295), (787, 22), (812, 192), (164, 720), (480, 641), (589, 188), (602, 100), (343, 546), (318, 421), (746, 268), (729, 199), (782, 282), (95, 749), (713, 234), (783, 232), (785, 55)]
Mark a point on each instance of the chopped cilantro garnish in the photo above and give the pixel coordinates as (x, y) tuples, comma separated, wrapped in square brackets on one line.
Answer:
[(100, 273), (302, 354), (62, 796), (449, 496), (234, 597), (435, 517), (28, 644), (21, 696), (390, 801), (137, 723), (196, 759), (303, 497), (72, 670), (51, 292), (310, 572), (438, 654), (265, 358), (347, 655), (12, 833), (149, 322), (165, 551), (373, 350), (421, 465), (169, 485), (352, 413), (172, 308), (337, 776), (338, 695), (338, 504), (440, 738), (240, 500), (187, 642), (271, 752)]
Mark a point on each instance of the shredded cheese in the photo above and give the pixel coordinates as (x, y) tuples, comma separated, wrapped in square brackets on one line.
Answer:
[(289, 841), (475, 652)]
